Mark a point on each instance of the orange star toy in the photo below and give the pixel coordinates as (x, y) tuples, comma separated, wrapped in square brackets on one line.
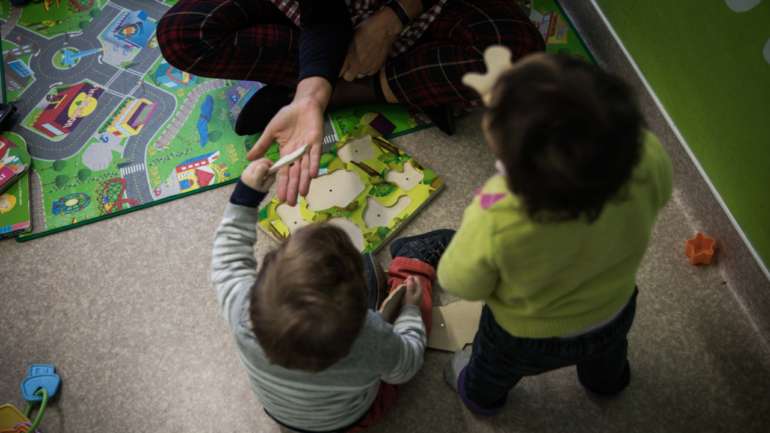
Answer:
[(700, 249)]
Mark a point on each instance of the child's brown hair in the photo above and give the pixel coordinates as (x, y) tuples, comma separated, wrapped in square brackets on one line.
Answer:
[(309, 301), (568, 134)]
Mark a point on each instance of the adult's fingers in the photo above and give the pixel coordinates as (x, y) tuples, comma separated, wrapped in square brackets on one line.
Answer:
[(283, 183), (263, 143), (310, 163), (315, 159), (293, 184), (352, 71), (304, 179)]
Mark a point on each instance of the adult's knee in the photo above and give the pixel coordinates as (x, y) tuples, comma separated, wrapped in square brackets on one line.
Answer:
[(177, 44), (504, 23)]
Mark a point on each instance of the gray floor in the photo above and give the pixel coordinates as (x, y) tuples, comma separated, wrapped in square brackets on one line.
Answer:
[(124, 309)]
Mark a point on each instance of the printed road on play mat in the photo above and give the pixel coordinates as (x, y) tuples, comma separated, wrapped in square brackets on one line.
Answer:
[(112, 127)]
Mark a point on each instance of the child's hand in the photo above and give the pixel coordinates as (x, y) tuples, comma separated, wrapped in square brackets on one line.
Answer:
[(413, 294), (257, 176)]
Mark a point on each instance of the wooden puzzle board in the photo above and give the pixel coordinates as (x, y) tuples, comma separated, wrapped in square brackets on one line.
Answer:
[(367, 186)]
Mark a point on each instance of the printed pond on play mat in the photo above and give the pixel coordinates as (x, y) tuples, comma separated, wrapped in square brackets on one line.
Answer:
[(367, 186)]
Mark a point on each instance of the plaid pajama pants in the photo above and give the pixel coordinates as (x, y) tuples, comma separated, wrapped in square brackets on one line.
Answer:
[(252, 40)]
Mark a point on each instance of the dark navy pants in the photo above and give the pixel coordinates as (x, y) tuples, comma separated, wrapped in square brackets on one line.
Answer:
[(500, 360)]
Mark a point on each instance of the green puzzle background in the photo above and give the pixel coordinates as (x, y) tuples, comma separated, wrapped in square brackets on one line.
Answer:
[(70, 193), (714, 82)]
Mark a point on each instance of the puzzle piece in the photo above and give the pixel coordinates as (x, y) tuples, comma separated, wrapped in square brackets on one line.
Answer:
[(407, 179), (454, 325), (291, 217), (377, 215), (358, 150), (337, 189), (498, 60)]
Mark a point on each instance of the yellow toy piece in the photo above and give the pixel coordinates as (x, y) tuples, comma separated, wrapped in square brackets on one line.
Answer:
[(12, 420), (47, 4)]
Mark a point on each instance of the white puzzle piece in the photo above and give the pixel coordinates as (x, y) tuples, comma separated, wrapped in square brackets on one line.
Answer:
[(407, 179), (377, 215), (291, 217), (357, 150), (337, 189)]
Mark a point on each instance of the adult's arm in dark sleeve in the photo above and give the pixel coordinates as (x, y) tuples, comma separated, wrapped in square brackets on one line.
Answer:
[(325, 33)]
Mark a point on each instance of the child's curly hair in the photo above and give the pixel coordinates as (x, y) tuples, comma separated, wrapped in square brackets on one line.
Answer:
[(568, 134)]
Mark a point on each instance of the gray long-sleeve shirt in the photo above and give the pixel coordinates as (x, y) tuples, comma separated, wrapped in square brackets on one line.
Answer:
[(336, 397)]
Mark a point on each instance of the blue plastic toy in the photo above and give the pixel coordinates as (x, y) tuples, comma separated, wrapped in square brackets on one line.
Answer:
[(38, 386), (40, 376)]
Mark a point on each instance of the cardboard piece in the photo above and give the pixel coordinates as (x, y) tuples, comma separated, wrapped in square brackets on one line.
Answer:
[(391, 306), (454, 325)]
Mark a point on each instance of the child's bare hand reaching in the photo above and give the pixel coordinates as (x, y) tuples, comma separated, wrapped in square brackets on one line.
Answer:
[(257, 175), (413, 294)]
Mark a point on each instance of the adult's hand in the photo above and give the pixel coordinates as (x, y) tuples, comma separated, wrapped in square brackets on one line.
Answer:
[(371, 45), (299, 123)]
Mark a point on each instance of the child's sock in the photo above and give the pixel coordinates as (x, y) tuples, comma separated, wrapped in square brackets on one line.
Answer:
[(459, 361)]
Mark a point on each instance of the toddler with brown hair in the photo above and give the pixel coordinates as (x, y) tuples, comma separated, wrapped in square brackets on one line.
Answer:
[(552, 243), (319, 357)]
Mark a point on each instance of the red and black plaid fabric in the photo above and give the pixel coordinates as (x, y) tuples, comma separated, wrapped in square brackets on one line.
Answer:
[(360, 10), (430, 73), (233, 39), (253, 40)]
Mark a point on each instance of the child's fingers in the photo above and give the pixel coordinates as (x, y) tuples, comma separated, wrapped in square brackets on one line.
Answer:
[(260, 163), (262, 169), (413, 284), (413, 291)]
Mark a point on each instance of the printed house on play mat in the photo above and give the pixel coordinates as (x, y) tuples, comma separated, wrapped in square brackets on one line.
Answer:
[(367, 186), (197, 172)]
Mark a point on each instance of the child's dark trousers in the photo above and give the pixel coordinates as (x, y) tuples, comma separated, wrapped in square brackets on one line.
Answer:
[(499, 360)]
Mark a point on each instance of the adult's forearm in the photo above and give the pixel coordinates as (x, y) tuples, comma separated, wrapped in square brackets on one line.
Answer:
[(325, 34), (314, 89)]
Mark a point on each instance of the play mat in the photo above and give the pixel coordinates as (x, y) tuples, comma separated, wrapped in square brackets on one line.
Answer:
[(113, 128)]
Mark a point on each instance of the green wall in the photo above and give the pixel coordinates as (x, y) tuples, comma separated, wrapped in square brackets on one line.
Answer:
[(706, 65)]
